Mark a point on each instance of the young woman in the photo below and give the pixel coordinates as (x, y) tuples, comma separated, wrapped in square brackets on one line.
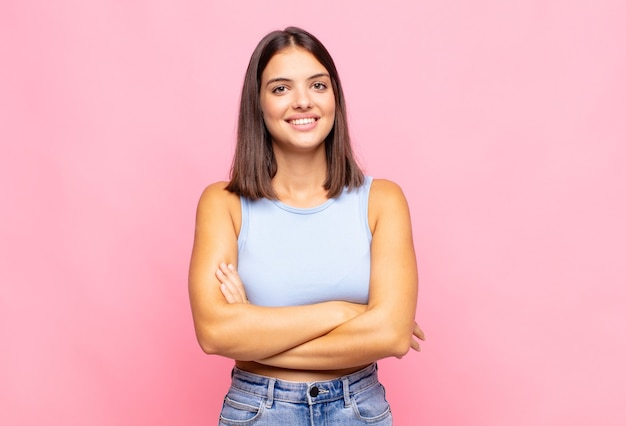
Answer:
[(303, 269)]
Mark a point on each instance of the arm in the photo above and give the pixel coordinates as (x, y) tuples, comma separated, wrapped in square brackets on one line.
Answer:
[(387, 328), (241, 330)]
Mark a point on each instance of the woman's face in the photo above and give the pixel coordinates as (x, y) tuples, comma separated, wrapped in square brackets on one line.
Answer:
[(297, 100)]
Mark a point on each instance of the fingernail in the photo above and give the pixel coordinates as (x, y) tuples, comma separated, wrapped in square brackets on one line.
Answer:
[(231, 267)]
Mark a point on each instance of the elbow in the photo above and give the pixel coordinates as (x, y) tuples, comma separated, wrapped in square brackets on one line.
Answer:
[(394, 338), (401, 347), (206, 344), (217, 341), (217, 337), (212, 336), (207, 347), (213, 343), (209, 342), (398, 343)]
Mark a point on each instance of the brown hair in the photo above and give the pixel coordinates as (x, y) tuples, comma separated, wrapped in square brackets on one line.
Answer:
[(254, 164)]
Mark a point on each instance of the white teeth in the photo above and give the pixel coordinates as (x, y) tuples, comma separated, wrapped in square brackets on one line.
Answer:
[(301, 121)]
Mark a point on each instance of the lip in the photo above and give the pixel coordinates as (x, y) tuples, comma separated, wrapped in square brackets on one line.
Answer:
[(302, 127), (301, 116)]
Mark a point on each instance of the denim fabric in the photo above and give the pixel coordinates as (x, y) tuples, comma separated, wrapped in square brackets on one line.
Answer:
[(355, 399)]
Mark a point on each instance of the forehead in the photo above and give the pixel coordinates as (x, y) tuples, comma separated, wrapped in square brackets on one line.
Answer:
[(292, 63)]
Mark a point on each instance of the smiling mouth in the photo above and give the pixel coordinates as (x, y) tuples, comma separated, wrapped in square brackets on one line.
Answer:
[(302, 121)]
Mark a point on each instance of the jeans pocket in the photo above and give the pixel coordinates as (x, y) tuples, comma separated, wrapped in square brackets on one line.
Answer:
[(371, 406), (241, 409)]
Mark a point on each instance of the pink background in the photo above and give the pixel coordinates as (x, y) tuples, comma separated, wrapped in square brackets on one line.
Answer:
[(504, 122)]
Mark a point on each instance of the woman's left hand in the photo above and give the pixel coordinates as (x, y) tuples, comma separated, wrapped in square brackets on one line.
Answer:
[(231, 286)]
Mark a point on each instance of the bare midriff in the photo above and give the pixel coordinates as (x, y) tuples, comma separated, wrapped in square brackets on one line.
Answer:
[(294, 375)]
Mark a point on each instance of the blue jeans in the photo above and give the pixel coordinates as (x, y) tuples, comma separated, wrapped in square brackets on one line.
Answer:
[(355, 399)]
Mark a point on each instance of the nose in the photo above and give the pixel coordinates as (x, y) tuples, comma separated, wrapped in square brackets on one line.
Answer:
[(302, 99)]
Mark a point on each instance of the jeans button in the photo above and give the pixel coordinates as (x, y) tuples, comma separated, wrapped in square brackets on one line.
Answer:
[(314, 391)]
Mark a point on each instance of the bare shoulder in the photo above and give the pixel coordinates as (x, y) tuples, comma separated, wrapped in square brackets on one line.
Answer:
[(385, 194), (386, 201), (216, 195), (384, 187), (216, 202)]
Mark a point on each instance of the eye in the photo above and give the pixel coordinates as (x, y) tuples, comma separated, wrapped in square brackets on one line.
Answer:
[(319, 85), (279, 89)]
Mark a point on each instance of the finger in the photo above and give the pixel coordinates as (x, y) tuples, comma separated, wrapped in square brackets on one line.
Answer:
[(230, 278), (418, 332), (415, 345), (230, 272), (228, 289), (238, 283), (227, 293), (221, 277)]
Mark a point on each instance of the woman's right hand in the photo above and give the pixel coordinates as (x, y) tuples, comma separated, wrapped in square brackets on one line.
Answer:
[(417, 334)]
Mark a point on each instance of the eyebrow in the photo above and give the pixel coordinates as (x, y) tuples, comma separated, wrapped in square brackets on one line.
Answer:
[(280, 79)]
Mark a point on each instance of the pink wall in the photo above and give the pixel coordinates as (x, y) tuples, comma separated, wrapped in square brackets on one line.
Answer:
[(505, 123)]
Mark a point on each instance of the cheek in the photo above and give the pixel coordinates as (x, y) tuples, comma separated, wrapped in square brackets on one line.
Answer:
[(272, 110), (271, 117), (332, 110), (266, 106), (330, 106)]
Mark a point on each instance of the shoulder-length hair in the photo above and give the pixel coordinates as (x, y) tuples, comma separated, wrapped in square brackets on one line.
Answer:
[(254, 163)]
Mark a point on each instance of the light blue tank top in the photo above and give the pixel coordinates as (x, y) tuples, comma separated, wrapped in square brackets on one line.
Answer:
[(292, 256)]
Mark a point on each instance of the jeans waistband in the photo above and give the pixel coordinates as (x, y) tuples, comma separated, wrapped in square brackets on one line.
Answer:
[(305, 392)]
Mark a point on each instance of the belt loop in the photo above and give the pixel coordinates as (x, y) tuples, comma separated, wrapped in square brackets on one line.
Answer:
[(346, 392), (270, 393)]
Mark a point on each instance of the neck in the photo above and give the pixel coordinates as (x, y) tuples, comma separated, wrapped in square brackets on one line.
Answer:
[(300, 177)]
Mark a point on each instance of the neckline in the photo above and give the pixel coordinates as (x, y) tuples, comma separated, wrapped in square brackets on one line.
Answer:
[(300, 210)]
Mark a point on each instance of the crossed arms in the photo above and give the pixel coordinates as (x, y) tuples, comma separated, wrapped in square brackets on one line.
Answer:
[(323, 336)]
